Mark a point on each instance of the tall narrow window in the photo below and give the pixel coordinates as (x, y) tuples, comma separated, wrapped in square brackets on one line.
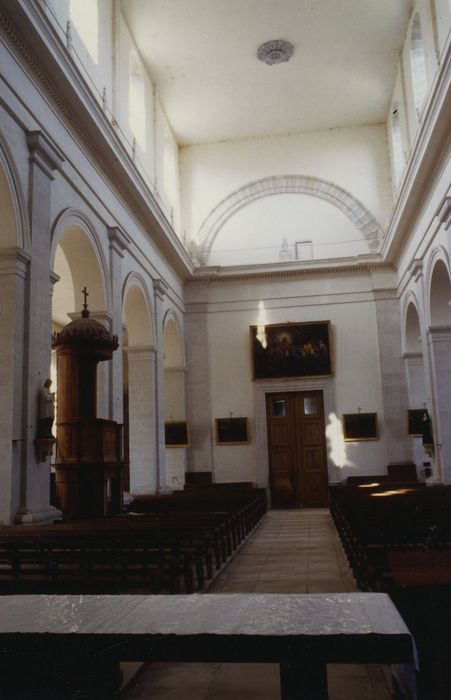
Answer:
[(84, 15), (418, 64), (136, 101), (397, 149)]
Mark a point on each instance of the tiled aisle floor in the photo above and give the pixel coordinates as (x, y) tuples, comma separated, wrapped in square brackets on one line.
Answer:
[(293, 551)]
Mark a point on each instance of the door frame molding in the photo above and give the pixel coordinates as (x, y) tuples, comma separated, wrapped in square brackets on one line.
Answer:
[(324, 384)]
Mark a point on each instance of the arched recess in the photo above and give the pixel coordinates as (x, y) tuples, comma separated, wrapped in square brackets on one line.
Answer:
[(356, 212), (438, 284), (415, 370), (139, 388), (77, 261), (174, 396), (14, 258)]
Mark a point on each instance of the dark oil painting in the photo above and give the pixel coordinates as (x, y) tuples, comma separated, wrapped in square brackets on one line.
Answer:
[(291, 350)]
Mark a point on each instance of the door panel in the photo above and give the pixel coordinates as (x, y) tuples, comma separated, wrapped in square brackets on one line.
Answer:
[(297, 449)]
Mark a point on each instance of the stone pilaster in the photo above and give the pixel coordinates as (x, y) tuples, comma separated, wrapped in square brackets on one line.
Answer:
[(198, 390), (119, 243), (142, 419), (45, 160), (13, 285), (439, 342), (159, 288), (174, 399), (417, 395), (393, 377)]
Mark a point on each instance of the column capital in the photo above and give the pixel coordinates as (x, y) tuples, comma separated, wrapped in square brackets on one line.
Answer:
[(416, 269), (44, 154), (160, 288), (439, 333), (14, 261), (119, 240), (175, 371), (142, 351), (444, 213)]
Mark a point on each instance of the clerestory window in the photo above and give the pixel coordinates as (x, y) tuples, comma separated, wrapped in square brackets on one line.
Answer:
[(136, 101), (418, 64)]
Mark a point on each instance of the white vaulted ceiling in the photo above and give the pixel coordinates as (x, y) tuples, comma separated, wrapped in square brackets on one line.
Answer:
[(202, 57)]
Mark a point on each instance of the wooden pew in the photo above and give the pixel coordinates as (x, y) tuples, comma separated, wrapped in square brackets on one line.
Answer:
[(70, 647), (398, 540), (167, 550)]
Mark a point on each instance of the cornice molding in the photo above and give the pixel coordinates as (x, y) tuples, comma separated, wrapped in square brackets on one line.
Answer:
[(51, 67), (219, 276)]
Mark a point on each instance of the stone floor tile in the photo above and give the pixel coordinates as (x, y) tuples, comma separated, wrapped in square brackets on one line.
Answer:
[(293, 551)]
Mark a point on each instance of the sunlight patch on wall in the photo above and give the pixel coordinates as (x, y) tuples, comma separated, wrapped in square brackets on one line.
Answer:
[(336, 441), (262, 321)]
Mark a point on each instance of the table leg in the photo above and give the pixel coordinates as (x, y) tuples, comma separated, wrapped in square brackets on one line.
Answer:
[(303, 680)]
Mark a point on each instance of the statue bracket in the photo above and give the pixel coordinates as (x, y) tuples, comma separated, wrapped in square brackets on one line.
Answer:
[(44, 448)]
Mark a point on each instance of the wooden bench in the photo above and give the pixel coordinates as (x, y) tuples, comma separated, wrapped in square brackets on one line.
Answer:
[(173, 546), (67, 647)]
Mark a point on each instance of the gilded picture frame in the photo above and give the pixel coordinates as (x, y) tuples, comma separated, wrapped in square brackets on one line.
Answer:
[(176, 433), (232, 431), (358, 427), (291, 350)]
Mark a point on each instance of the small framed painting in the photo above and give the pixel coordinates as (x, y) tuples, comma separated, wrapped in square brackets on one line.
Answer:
[(176, 433), (416, 421), (231, 431), (360, 426)]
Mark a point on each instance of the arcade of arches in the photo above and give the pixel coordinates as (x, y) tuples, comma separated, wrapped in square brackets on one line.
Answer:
[(353, 248)]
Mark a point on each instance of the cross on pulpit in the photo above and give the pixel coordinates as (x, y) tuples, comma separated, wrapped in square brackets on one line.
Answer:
[(85, 293), (231, 414)]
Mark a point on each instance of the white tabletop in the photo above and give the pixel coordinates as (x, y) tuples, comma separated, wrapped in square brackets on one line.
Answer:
[(215, 614)]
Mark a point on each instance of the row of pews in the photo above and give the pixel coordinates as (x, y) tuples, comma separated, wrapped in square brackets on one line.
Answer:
[(397, 538), (173, 543)]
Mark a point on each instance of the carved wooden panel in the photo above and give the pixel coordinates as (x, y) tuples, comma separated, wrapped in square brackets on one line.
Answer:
[(297, 449)]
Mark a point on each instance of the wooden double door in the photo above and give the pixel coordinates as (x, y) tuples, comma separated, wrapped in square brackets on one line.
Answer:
[(297, 449)]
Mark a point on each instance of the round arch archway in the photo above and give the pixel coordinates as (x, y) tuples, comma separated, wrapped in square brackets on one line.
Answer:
[(139, 388)]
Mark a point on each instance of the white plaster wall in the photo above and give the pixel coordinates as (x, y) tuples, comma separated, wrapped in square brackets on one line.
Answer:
[(256, 233), (356, 382), (356, 159)]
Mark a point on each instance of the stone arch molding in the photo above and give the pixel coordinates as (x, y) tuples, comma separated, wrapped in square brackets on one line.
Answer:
[(171, 315), (410, 299), (439, 254), (16, 197), (358, 214), (72, 217), (134, 279)]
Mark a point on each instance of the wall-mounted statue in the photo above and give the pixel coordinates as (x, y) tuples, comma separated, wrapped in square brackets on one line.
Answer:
[(46, 410)]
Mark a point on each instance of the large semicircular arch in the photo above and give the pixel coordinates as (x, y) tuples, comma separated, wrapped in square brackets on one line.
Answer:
[(358, 214)]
